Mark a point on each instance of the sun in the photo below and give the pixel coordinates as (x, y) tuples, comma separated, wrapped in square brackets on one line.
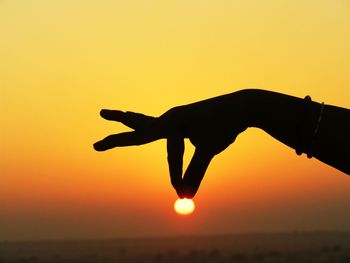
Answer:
[(184, 206)]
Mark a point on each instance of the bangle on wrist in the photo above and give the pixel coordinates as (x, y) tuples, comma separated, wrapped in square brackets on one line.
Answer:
[(306, 135), (314, 137)]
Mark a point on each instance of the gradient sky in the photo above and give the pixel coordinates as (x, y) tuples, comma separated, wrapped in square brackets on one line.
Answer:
[(62, 61)]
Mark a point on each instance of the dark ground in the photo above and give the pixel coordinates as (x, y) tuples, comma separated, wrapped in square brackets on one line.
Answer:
[(290, 247)]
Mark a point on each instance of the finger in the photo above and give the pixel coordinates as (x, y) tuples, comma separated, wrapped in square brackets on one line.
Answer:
[(175, 149), (195, 172), (131, 119), (123, 139)]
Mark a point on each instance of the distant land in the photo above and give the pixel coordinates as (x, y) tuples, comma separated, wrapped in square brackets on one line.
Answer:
[(264, 247)]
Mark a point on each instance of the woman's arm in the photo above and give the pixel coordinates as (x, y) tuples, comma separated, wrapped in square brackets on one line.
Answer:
[(322, 131)]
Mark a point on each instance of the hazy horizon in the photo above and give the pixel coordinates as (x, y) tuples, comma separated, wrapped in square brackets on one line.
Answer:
[(292, 247), (180, 236)]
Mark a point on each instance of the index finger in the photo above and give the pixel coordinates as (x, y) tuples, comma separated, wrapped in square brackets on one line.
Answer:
[(175, 149), (131, 119)]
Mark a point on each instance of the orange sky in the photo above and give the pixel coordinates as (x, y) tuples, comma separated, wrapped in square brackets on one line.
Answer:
[(61, 62)]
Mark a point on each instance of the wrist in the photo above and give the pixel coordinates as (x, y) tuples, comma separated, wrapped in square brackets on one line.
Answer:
[(253, 106), (282, 116)]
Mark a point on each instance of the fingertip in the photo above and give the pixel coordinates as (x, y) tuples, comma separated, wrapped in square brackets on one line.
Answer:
[(180, 194), (178, 187), (99, 146), (186, 191), (190, 192), (104, 113)]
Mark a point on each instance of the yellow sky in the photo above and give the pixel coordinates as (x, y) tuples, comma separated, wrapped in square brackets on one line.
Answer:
[(62, 61)]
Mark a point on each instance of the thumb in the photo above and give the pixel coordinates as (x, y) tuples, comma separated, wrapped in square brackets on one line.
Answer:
[(176, 148), (195, 171)]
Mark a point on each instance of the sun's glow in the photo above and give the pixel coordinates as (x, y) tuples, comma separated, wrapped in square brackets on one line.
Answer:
[(184, 206)]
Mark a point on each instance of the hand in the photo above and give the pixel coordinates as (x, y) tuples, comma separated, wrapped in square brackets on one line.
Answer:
[(208, 124)]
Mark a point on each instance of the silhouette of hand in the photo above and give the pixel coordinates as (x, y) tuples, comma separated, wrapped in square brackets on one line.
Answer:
[(213, 124), (207, 124)]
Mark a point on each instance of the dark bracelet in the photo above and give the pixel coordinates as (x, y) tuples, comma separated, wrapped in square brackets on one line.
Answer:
[(314, 137), (306, 137), (300, 130)]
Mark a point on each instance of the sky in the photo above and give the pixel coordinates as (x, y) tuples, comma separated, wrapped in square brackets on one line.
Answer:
[(63, 61)]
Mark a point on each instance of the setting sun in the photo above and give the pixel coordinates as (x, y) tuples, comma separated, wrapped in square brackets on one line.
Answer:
[(184, 206)]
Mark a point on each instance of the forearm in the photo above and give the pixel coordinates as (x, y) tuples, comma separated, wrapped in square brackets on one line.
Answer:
[(292, 122), (333, 139)]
